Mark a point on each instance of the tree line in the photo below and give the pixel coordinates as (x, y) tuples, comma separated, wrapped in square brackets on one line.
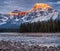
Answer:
[(48, 26), (9, 30)]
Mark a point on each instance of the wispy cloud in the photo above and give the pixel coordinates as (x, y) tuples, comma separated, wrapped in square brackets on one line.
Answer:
[(9, 5)]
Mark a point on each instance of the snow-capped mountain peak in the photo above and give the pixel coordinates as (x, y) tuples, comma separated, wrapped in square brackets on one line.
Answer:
[(40, 12)]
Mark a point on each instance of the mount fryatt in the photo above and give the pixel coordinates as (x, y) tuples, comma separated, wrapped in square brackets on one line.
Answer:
[(40, 12)]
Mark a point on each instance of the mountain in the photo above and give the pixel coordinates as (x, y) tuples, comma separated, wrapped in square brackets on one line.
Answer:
[(40, 12), (18, 13), (41, 6), (41, 16)]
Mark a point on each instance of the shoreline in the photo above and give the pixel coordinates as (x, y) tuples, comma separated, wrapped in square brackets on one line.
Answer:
[(17, 46), (29, 34), (31, 43)]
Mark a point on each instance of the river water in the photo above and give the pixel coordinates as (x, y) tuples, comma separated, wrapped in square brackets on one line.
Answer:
[(42, 40)]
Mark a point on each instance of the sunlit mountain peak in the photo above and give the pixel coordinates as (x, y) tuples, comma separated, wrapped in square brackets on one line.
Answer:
[(41, 6)]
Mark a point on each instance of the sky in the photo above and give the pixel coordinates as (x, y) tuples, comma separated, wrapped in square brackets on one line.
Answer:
[(9, 5)]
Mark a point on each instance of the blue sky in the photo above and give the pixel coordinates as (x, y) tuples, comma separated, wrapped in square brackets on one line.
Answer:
[(10, 5)]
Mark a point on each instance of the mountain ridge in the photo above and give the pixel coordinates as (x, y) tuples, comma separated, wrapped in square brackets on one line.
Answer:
[(29, 16)]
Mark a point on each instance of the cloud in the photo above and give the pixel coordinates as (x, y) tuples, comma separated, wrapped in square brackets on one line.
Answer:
[(10, 5), (55, 5), (58, 2), (7, 6)]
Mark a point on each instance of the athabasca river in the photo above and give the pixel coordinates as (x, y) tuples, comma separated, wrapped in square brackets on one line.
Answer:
[(46, 39)]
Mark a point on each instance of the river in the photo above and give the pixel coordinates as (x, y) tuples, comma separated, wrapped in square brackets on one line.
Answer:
[(47, 39)]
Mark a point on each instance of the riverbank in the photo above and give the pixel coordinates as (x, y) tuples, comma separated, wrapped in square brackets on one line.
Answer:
[(29, 41), (17, 46), (29, 34)]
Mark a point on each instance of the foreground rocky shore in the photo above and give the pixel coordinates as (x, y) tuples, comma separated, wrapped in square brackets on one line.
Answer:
[(18, 46)]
